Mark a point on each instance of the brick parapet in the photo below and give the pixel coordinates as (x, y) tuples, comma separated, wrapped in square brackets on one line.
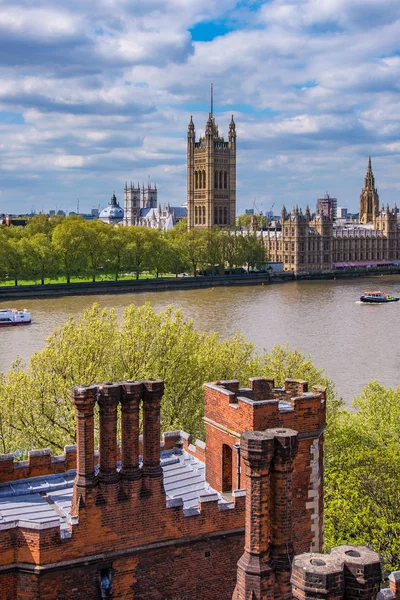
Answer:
[(39, 463)]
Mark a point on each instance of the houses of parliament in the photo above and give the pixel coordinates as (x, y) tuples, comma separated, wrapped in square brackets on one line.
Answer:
[(301, 241)]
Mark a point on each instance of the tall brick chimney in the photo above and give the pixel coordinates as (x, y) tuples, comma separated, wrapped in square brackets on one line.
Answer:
[(153, 390), (109, 396), (130, 426), (255, 576), (84, 399), (282, 551), (265, 567)]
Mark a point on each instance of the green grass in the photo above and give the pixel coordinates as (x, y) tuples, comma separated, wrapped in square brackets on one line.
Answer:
[(110, 278)]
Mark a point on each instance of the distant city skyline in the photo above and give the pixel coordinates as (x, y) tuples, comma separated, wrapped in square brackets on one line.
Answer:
[(95, 94)]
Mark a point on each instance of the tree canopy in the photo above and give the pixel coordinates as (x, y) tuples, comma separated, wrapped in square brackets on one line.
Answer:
[(67, 247), (95, 347)]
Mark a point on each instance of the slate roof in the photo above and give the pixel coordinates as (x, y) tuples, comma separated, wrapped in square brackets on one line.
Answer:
[(46, 501)]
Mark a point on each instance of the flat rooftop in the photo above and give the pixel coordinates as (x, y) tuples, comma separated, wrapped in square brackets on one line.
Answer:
[(41, 502)]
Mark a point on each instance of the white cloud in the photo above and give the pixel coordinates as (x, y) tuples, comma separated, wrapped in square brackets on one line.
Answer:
[(105, 89)]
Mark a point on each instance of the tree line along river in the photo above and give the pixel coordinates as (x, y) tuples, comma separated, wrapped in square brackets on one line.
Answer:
[(354, 342)]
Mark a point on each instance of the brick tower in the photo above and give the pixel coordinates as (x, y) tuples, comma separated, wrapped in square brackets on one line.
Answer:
[(211, 165), (369, 199), (230, 411)]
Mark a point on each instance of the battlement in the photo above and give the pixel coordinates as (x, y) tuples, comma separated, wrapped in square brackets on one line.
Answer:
[(261, 405), (40, 462)]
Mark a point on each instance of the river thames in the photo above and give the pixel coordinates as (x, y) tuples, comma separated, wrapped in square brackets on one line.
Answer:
[(354, 342)]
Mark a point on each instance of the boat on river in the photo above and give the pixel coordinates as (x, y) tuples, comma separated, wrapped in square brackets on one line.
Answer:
[(13, 316), (377, 297)]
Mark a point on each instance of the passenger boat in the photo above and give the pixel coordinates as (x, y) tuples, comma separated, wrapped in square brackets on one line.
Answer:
[(376, 297), (13, 316)]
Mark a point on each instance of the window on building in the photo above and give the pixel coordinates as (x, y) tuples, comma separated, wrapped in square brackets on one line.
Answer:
[(215, 215), (196, 180), (292, 231), (226, 180), (227, 464), (216, 180), (225, 216), (196, 215), (204, 215)]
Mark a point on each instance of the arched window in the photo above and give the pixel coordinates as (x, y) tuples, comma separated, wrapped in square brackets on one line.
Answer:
[(225, 216), (204, 215), (204, 179), (215, 215), (196, 180), (216, 180), (220, 221), (226, 468), (196, 215), (226, 180), (220, 180)]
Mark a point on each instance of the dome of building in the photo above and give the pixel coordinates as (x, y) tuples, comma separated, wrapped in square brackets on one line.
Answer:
[(113, 212)]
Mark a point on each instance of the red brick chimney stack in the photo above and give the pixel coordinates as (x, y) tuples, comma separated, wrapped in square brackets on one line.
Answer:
[(131, 396), (282, 551), (255, 577), (109, 396), (84, 398), (153, 391)]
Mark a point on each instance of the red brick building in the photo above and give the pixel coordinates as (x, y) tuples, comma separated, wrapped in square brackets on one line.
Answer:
[(174, 522)]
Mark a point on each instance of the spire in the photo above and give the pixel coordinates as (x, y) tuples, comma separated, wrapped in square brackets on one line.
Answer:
[(212, 100), (369, 164)]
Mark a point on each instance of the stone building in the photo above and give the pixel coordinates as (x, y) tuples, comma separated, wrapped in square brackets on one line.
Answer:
[(305, 242), (141, 209), (239, 517), (211, 177), (113, 214)]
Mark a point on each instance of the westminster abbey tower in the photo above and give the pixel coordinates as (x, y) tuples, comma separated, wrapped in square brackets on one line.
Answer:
[(211, 164)]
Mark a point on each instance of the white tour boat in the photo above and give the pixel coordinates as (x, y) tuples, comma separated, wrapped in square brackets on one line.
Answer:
[(13, 316)]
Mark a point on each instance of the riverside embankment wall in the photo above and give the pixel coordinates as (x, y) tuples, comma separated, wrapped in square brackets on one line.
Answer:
[(180, 283)]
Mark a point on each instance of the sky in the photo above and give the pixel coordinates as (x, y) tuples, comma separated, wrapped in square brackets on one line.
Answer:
[(98, 92)]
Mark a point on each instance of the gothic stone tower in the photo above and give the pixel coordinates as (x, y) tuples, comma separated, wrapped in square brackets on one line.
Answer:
[(211, 165), (149, 196), (131, 204), (369, 199)]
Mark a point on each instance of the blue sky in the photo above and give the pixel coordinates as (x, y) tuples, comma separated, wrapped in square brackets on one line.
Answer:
[(100, 92)]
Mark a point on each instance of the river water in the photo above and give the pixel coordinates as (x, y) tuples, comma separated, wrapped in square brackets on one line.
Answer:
[(354, 342)]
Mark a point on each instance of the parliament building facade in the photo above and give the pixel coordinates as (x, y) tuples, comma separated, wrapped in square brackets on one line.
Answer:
[(305, 242)]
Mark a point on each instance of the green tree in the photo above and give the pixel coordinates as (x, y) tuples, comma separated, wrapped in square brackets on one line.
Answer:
[(232, 249), (96, 239), (12, 255), (41, 257), (192, 246), (158, 252), (252, 251), (40, 224), (36, 406), (137, 250), (117, 241), (362, 501), (69, 241), (213, 252)]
